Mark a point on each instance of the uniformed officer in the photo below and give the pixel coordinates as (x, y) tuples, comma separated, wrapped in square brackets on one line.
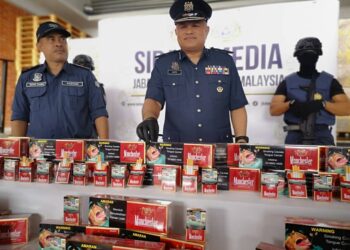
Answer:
[(58, 99), (291, 97), (200, 87)]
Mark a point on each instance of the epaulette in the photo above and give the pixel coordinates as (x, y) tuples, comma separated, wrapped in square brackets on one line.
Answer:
[(221, 50), (28, 69), (80, 66), (168, 53)]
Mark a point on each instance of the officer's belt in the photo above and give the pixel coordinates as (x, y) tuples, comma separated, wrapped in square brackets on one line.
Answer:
[(296, 127)]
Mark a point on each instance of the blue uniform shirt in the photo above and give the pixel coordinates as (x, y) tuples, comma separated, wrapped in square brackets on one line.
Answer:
[(199, 97), (62, 106)]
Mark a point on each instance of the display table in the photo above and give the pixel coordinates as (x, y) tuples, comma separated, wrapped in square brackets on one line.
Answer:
[(235, 219)]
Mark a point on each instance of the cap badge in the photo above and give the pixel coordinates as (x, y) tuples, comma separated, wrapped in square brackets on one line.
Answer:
[(37, 77), (53, 25), (188, 7)]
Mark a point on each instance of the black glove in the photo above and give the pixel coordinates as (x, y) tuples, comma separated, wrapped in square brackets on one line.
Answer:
[(148, 130), (303, 109)]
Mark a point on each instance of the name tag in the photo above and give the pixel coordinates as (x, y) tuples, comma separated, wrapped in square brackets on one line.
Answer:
[(72, 84), (35, 84)]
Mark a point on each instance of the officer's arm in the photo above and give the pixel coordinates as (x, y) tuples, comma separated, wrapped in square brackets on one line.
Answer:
[(279, 105), (151, 108), (340, 105), (102, 129), (239, 121), (19, 128)]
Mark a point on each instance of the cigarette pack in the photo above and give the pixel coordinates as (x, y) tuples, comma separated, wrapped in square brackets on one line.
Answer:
[(129, 213), (44, 171), (14, 147), (245, 179), (73, 149), (71, 210), (130, 152), (264, 157), (209, 180), (202, 155), (118, 175), (322, 187), (164, 153), (26, 170), (107, 150), (305, 157), (87, 242), (309, 233), (297, 184), (269, 184), (80, 173), (337, 159), (41, 149), (226, 154), (14, 229), (54, 234), (344, 189), (11, 169), (195, 224)]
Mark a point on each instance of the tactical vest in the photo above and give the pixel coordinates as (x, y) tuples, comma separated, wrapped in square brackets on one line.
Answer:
[(295, 91)]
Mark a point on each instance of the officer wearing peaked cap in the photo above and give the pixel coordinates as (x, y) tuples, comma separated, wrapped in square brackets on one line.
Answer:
[(309, 97), (200, 87), (57, 99)]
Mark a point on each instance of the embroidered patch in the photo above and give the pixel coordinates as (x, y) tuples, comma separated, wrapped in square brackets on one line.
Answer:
[(175, 69), (72, 84), (37, 77), (35, 84)]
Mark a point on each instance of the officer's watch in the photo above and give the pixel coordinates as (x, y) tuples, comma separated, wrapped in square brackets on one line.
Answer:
[(291, 102), (242, 137)]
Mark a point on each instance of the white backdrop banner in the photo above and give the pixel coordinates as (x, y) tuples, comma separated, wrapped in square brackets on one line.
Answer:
[(262, 39)]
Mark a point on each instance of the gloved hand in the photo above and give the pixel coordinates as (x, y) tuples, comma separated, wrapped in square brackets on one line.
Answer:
[(303, 109), (148, 130)]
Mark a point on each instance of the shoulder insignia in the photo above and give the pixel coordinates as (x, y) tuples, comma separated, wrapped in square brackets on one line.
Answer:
[(221, 50), (168, 53), (31, 68)]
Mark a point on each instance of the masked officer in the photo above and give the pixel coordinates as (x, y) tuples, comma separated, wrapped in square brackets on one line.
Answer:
[(293, 100), (58, 99), (200, 87)]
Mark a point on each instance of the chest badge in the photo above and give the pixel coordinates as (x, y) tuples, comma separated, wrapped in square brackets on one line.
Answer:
[(219, 89), (318, 96), (175, 69), (216, 70), (37, 77)]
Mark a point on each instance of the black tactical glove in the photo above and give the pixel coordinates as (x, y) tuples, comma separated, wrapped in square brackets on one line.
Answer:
[(303, 109), (148, 130)]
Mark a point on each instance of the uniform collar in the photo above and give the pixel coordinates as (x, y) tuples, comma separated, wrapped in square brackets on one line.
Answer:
[(66, 68), (182, 54)]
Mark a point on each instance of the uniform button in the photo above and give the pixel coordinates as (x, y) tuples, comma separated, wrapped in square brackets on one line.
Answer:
[(169, 138), (198, 96), (199, 110), (173, 84), (200, 125), (219, 81), (196, 68), (196, 82), (200, 139)]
